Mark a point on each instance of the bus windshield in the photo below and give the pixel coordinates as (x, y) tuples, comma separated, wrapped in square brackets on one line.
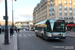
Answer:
[(58, 27)]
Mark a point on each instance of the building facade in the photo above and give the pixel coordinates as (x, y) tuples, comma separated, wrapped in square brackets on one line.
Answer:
[(24, 25), (54, 9)]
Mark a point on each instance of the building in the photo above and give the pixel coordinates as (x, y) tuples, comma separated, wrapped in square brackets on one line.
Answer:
[(54, 9), (2, 23), (25, 25)]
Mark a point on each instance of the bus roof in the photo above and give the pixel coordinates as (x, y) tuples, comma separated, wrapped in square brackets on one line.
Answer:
[(51, 20)]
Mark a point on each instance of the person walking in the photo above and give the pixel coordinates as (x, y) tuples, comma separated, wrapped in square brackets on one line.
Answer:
[(18, 29), (0, 30), (11, 32)]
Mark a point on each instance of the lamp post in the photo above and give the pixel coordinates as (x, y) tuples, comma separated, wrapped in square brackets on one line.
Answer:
[(12, 15), (6, 40)]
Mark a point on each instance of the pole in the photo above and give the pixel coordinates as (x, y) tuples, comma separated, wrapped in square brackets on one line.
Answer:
[(6, 40), (12, 14)]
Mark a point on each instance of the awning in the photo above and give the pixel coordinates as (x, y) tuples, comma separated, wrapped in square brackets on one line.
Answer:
[(70, 24)]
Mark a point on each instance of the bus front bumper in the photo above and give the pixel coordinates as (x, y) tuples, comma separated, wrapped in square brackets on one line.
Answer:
[(56, 37)]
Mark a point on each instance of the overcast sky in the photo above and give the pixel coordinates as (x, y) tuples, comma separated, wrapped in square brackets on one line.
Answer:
[(23, 9)]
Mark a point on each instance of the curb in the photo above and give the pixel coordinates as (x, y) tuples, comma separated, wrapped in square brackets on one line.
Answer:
[(15, 42)]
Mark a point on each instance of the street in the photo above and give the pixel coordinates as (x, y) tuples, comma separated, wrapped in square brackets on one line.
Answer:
[(27, 40)]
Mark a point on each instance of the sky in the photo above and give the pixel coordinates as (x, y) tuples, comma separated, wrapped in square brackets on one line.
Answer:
[(23, 9)]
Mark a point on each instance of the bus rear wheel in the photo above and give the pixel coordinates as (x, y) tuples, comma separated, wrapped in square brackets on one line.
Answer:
[(36, 34), (45, 38)]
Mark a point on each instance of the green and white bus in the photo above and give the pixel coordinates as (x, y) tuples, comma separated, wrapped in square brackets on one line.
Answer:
[(51, 29)]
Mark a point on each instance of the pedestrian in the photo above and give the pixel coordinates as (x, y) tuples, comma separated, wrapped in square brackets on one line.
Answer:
[(18, 29), (11, 32), (0, 30)]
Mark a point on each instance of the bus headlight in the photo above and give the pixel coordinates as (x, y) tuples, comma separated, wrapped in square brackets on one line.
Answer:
[(49, 34), (64, 35)]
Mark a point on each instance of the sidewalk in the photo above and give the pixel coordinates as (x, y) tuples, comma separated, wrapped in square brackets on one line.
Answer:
[(12, 41), (70, 34)]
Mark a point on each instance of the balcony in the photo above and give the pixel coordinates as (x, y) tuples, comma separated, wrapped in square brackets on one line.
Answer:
[(70, 17), (65, 17), (60, 18)]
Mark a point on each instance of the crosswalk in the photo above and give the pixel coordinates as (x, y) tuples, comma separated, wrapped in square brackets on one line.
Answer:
[(25, 31), (26, 35)]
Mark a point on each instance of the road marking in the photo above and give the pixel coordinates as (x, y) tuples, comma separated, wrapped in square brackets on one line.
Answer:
[(29, 35), (20, 35)]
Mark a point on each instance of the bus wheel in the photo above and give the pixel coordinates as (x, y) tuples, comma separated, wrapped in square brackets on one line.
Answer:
[(45, 38), (42, 36), (36, 34)]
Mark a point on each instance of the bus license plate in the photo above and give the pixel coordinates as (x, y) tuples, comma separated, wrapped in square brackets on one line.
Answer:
[(56, 38)]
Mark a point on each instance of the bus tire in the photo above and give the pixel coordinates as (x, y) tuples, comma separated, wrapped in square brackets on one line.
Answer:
[(36, 34), (45, 38), (42, 36)]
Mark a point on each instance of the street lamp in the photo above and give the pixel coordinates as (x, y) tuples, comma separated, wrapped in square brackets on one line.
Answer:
[(6, 40), (12, 15)]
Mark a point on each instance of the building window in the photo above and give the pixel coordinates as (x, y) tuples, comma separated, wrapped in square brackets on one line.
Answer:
[(65, 12), (71, 17), (70, 11), (42, 1), (60, 7), (65, 2), (60, 17), (50, 4), (50, 13), (52, 8), (60, 12), (66, 17), (53, 12), (50, 0), (71, 21), (70, 7), (70, 2), (53, 16), (65, 7), (66, 20)]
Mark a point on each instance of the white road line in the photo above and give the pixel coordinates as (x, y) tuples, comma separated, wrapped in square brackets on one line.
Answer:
[(20, 35), (29, 35)]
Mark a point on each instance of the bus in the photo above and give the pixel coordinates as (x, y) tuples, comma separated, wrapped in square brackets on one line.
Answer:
[(51, 29)]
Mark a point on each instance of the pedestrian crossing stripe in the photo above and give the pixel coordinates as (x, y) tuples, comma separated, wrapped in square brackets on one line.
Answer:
[(24, 35), (29, 35), (20, 35)]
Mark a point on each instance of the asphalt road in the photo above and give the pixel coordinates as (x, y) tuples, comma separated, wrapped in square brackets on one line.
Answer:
[(27, 40)]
